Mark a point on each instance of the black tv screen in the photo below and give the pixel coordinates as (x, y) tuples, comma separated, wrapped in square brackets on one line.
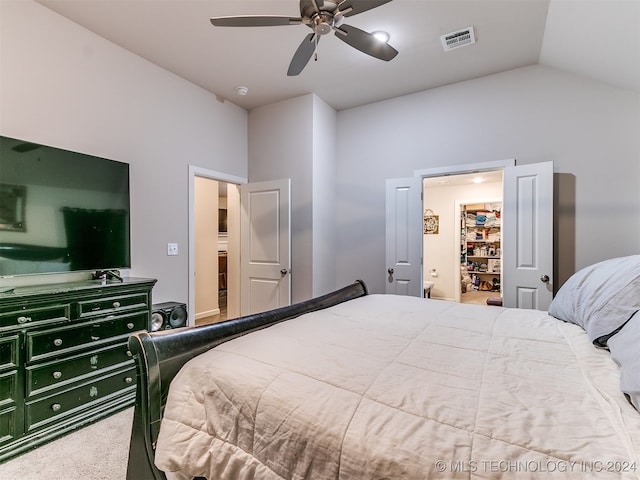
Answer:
[(61, 211)]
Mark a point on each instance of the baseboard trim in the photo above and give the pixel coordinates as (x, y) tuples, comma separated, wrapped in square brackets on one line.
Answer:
[(208, 313)]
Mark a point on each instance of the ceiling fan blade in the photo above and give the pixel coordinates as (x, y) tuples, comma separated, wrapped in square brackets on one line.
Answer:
[(302, 55), (255, 21), (365, 42), (354, 7)]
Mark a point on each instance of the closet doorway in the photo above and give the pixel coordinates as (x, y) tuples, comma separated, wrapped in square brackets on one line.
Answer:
[(462, 256), (527, 269), (216, 249)]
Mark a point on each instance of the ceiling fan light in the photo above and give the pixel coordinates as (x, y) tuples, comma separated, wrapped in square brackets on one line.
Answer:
[(381, 36)]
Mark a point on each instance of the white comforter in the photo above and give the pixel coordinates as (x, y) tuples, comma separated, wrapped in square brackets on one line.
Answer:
[(388, 387)]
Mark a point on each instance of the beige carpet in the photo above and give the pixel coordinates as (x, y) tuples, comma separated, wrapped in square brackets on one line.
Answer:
[(97, 452)]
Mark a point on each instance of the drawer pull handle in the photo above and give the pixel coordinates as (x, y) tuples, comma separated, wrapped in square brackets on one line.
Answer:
[(130, 326), (116, 304), (57, 375), (128, 380), (129, 354), (55, 407), (57, 342), (24, 319)]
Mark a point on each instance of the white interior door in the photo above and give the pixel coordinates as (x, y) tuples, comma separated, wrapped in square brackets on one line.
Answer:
[(404, 236), (265, 254), (528, 236)]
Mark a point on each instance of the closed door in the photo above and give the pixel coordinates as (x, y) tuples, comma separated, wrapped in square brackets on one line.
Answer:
[(404, 236), (265, 264), (528, 236)]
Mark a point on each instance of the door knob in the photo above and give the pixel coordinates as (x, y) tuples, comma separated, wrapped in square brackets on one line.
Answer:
[(544, 278), (284, 271), (390, 271)]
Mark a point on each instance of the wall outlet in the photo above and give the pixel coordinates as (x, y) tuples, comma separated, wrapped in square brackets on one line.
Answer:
[(172, 249)]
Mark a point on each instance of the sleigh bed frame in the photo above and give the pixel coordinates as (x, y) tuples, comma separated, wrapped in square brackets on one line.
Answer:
[(160, 355)]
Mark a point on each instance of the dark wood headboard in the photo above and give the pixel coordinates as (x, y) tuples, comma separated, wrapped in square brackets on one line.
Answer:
[(160, 355)]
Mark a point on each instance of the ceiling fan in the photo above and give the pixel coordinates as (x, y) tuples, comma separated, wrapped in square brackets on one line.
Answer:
[(322, 16)]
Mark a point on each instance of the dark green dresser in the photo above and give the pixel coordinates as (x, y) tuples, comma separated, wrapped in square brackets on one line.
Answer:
[(64, 360)]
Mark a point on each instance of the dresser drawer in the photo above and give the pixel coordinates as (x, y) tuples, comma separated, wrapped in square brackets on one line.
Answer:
[(20, 317), (56, 374), (8, 425), (9, 357), (113, 305), (8, 389), (55, 342), (54, 408), (64, 360)]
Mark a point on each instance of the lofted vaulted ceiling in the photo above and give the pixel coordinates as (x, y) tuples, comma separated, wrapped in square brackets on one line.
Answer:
[(598, 39)]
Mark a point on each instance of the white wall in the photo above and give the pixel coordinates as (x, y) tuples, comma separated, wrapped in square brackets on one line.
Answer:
[(64, 86), (281, 146), (324, 205), (296, 139), (533, 114)]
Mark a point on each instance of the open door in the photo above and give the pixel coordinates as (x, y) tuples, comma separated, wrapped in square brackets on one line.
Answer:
[(265, 258), (528, 236), (404, 236)]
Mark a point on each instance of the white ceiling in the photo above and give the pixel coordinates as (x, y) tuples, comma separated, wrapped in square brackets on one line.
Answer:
[(598, 39)]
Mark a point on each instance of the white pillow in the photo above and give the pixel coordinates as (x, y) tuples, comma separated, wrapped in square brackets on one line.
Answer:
[(624, 350), (600, 298)]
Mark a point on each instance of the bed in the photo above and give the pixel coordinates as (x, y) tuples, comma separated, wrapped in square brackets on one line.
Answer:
[(366, 386)]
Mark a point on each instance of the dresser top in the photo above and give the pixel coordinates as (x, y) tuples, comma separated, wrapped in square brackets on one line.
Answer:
[(7, 292)]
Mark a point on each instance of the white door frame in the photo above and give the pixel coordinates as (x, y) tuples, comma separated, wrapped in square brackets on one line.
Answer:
[(195, 171), (465, 168)]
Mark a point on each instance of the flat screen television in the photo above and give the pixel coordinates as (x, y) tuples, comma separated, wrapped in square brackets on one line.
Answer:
[(61, 211)]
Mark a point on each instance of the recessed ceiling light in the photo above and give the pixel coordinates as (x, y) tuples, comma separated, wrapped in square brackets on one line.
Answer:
[(382, 36)]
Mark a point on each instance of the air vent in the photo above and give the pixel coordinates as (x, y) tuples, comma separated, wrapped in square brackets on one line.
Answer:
[(460, 38)]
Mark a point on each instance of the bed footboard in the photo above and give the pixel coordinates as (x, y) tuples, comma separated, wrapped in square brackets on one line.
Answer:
[(160, 355)]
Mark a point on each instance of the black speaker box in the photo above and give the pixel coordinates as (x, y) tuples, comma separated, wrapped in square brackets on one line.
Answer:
[(168, 315)]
